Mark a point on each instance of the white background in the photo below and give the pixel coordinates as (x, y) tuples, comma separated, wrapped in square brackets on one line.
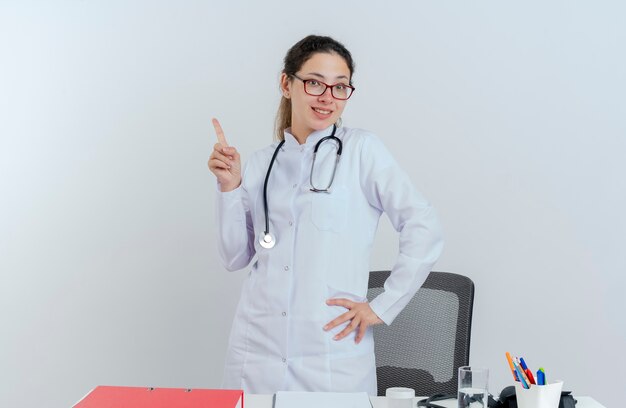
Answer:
[(509, 116)]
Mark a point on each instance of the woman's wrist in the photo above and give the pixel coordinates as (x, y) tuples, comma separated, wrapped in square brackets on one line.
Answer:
[(225, 188)]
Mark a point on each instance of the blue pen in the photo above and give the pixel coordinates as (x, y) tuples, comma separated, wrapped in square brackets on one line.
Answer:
[(523, 363), (541, 376), (518, 369)]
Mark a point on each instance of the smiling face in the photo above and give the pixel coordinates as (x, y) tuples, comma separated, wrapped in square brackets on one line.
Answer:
[(310, 113)]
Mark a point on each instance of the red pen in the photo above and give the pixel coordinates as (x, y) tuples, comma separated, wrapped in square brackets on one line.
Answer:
[(527, 371), (530, 376)]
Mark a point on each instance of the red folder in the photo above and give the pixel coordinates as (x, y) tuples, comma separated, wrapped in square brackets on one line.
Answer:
[(148, 397)]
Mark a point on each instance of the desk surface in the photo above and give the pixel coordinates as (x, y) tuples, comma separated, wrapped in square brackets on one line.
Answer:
[(265, 401)]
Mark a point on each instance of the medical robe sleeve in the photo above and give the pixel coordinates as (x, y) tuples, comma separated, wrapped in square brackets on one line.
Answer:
[(235, 230), (390, 190)]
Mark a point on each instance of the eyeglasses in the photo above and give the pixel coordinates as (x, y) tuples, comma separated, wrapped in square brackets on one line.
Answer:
[(315, 87)]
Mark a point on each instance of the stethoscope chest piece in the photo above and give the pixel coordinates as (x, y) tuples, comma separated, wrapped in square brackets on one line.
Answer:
[(267, 240)]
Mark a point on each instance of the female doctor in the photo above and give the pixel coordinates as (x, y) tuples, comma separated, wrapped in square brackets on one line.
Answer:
[(306, 209)]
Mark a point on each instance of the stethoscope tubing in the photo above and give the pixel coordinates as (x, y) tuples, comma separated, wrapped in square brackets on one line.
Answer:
[(267, 240), (267, 177), (332, 177)]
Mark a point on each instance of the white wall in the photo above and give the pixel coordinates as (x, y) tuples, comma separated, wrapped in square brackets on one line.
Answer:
[(509, 116)]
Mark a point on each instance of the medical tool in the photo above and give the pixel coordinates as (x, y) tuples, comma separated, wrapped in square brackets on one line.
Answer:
[(268, 240)]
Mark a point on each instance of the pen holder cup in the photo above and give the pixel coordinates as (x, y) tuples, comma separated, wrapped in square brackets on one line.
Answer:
[(539, 396)]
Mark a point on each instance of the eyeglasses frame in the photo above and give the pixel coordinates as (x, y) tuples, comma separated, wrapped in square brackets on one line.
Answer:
[(332, 88)]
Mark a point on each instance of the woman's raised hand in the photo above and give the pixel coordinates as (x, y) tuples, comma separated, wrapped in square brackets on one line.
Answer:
[(224, 161)]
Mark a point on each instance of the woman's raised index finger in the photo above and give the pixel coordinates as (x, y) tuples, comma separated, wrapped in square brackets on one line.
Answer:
[(220, 133)]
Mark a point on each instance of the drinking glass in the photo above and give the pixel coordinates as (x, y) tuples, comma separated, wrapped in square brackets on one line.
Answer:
[(473, 390)]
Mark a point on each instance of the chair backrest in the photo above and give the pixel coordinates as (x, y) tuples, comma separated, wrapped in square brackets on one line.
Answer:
[(430, 339)]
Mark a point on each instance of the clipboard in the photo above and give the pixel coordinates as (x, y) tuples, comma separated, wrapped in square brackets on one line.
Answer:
[(105, 396)]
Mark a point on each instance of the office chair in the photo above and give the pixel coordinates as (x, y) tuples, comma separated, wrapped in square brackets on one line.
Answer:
[(429, 340)]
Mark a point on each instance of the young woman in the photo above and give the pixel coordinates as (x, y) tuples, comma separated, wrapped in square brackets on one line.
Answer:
[(307, 207)]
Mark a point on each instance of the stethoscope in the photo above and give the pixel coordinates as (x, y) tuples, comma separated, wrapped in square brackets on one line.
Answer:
[(268, 240)]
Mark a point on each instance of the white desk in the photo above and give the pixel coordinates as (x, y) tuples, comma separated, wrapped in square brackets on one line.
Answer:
[(265, 401)]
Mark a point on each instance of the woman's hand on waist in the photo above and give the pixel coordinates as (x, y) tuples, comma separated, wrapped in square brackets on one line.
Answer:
[(360, 315)]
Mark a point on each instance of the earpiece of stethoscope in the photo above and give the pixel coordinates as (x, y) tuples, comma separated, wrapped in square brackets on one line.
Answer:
[(267, 240)]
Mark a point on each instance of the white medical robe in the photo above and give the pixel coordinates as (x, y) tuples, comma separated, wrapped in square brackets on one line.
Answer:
[(322, 251)]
